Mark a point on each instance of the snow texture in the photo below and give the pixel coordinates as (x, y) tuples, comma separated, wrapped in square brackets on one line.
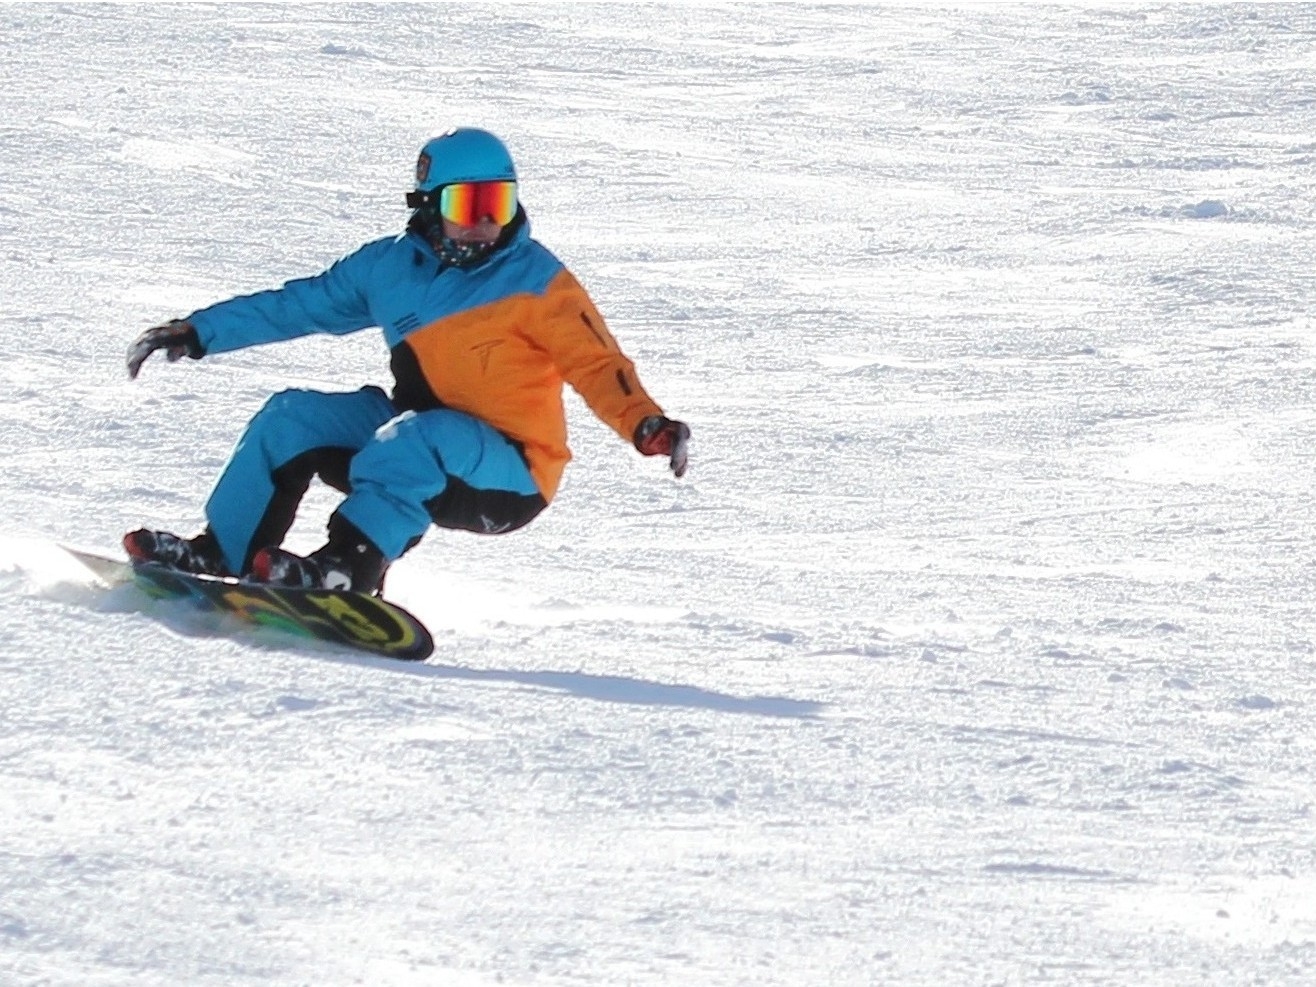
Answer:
[(977, 647)]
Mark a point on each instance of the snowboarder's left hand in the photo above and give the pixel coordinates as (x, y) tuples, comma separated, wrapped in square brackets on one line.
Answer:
[(177, 338), (661, 436)]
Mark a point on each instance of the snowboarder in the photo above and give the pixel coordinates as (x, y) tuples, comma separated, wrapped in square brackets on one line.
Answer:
[(484, 325)]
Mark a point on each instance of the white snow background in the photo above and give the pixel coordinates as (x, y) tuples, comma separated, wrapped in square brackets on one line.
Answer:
[(977, 646)]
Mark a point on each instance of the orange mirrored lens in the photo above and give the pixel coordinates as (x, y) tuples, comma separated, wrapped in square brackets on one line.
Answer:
[(471, 203)]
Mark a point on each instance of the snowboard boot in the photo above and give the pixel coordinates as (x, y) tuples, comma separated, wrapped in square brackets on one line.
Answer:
[(349, 561), (199, 556)]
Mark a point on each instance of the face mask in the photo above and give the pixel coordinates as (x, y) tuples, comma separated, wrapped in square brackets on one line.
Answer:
[(455, 254)]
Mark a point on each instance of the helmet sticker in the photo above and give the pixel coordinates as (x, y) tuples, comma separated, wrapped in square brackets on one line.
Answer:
[(422, 168)]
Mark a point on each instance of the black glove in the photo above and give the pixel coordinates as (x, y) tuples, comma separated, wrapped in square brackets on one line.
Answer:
[(177, 338), (660, 436)]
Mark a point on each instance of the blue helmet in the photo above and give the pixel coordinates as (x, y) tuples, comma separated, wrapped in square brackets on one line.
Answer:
[(463, 154)]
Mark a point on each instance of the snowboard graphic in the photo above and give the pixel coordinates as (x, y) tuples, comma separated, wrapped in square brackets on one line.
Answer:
[(356, 620)]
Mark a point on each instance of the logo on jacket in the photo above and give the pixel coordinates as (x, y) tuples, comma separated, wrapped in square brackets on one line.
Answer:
[(484, 349)]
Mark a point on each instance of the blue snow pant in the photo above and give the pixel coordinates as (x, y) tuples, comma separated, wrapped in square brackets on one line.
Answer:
[(401, 473)]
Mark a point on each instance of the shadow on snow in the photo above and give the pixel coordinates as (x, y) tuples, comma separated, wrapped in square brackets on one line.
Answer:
[(636, 692), (188, 622)]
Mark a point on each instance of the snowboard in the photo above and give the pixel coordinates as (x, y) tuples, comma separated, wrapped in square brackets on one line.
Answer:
[(357, 620)]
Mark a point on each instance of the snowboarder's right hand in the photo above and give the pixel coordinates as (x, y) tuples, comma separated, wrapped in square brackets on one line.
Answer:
[(177, 338)]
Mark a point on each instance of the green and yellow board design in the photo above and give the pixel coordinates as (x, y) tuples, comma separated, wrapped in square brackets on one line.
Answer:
[(359, 621)]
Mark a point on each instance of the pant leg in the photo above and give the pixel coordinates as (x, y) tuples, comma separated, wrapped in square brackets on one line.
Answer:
[(439, 467), (296, 435)]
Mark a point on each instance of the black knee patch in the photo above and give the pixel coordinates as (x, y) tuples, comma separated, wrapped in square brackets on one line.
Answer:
[(486, 512)]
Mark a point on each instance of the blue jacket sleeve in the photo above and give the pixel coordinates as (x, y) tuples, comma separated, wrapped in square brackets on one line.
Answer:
[(333, 302)]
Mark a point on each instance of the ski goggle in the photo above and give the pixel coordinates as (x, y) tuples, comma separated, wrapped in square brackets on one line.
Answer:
[(470, 203)]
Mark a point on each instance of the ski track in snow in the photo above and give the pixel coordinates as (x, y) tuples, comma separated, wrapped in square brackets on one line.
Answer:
[(976, 647)]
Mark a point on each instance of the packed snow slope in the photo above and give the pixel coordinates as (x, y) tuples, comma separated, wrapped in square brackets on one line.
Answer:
[(977, 647)]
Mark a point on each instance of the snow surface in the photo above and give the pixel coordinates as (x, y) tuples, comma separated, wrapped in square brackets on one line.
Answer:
[(977, 647)]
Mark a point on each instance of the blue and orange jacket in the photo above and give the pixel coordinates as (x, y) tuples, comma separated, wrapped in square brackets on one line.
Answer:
[(496, 341)]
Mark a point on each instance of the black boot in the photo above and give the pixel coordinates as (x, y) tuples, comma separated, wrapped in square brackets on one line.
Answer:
[(199, 555), (349, 560)]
